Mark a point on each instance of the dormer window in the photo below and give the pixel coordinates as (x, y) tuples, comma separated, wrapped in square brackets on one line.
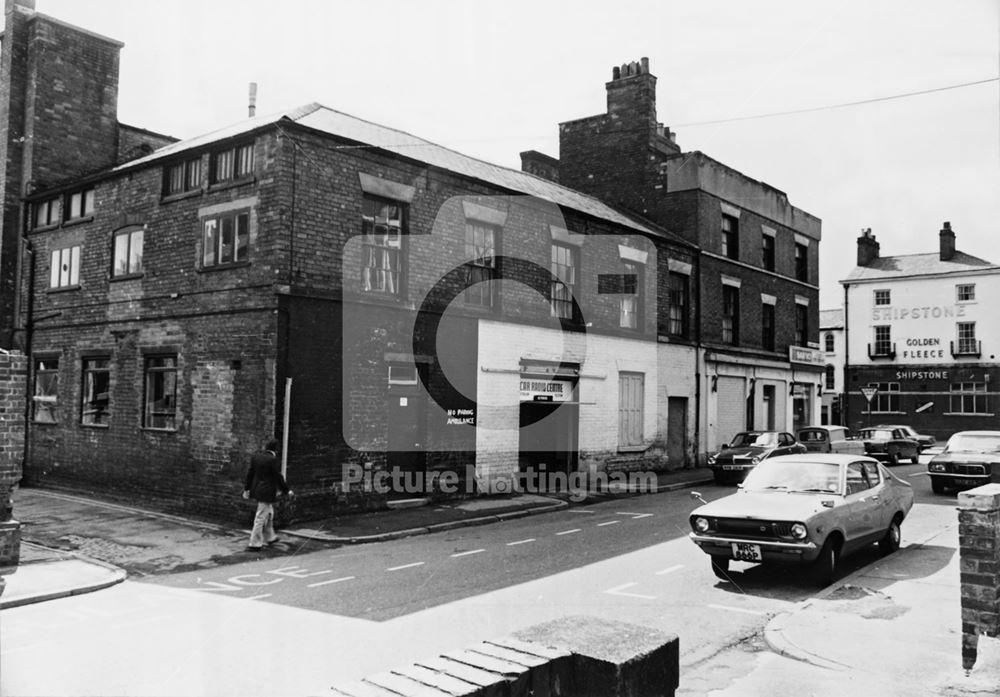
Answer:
[(79, 204), (182, 177), (46, 212), (232, 163)]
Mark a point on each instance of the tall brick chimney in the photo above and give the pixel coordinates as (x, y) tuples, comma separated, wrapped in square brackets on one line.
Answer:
[(540, 164), (947, 236), (867, 248), (632, 92)]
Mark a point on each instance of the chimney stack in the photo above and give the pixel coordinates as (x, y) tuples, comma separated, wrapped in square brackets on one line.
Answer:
[(632, 92), (253, 99), (947, 236), (867, 248)]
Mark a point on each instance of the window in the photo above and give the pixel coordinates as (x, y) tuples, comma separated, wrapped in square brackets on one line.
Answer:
[(382, 228), (831, 377), (402, 374), (95, 394), (730, 236), (65, 269), (767, 252), (968, 398), (882, 297), (828, 343), (80, 204), (631, 296), (183, 176), (161, 393), (47, 213), (801, 324), (731, 315), (801, 262), (767, 340), (883, 340), (631, 390), (127, 252), (480, 247), (967, 343), (45, 397), (857, 478), (226, 239), (966, 292), (563, 286), (232, 164), (678, 300), (886, 397)]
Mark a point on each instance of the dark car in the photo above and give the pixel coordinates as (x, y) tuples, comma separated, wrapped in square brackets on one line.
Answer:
[(890, 444), (969, 459), (925, 440), (747, 449)]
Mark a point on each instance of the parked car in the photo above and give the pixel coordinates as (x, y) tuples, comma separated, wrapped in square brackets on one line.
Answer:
[(829, 439), (804, 510), (748, 448), (890, 444), (969, 459), (925, 440)]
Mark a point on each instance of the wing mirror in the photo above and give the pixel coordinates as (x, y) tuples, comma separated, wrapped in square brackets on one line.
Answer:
[(697, 496)]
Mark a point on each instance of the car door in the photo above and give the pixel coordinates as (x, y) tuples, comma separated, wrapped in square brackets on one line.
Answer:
[(860, 508), (906, 446), (881, 498)]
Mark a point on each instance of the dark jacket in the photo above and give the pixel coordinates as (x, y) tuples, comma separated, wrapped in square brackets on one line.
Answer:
[(264, 477)]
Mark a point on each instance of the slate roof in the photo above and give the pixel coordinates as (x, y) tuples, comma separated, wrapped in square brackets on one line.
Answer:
[(917, 265), (336, 123)]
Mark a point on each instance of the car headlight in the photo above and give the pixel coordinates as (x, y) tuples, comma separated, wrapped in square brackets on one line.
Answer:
[(701, 524), (756, 459), (936, 467), (711, 459), (799, 531)]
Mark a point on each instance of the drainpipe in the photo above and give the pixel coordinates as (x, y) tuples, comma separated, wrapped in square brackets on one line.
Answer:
[(845, 399)]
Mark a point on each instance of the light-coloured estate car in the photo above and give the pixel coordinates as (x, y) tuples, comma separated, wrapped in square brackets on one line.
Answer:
[(829, 439), (805, 510)]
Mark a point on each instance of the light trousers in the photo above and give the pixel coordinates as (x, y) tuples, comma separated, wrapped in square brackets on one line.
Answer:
[(263, 525)]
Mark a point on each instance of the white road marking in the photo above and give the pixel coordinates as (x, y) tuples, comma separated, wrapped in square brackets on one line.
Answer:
[(577, 510), (619, 590), (465, 554), (730, 608), (918, 474), (670, 569), (610, 522), (568, 532), (405, 566), (258, 597), (635, 516), (332, 580), (521, 542)]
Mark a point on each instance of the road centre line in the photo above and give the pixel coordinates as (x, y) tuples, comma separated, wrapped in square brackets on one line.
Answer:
[(465, 554), (670, 569), (635, 516), (329, 581), (619, 590), (405, 566), (521, 542), (577, 510), (568, 532), (259, 597), (610, 522), (730, 608)]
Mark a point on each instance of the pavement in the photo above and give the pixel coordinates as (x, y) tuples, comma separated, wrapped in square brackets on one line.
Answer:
[(892, 627)]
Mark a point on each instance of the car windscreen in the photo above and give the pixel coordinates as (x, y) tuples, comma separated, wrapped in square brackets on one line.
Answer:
[(745, 440), (974, 444), (789, 474), (812, 436)]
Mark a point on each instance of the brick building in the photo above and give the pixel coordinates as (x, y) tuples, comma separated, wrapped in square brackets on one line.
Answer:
[(832, 336), (921, 331), (380, 303), (757, 324)]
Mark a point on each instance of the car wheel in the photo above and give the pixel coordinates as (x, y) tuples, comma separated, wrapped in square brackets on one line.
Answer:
[(720, 567), (937, 485), (893, 458), (826, 563), (890, 542)]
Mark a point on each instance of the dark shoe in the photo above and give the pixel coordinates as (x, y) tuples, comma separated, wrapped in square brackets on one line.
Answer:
[(276, 539), (253, 549)]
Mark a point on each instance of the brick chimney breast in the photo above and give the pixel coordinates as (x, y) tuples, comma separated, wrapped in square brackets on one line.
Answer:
[(868, 248), (947, 236)]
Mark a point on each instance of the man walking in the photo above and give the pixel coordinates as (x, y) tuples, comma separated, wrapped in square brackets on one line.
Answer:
[(262, 484)]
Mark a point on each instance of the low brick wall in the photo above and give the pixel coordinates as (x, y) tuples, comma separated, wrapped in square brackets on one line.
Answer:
[(571, 657), (979, 556)]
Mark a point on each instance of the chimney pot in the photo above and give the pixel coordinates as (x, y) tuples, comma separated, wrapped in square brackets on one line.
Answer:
[(616, 73), (253, 100), (645, 64)]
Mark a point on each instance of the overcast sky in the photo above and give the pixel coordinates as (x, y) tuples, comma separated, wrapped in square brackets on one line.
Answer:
[(493, 79)]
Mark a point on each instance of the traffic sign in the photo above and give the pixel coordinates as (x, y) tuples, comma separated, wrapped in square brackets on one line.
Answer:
[(869, 392)]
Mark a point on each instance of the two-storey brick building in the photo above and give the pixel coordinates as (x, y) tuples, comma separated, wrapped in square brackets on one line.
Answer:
[(921, 332)]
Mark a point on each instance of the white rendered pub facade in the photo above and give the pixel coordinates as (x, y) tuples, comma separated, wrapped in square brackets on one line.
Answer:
[(922, 339)]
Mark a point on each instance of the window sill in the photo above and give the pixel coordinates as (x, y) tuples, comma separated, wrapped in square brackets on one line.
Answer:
[(224, 267), (125, 277), (97, 426), (78, 221), (147, 429), (966, 413), (64, 289), (45, 228), (181, 195), (231, 183), (44, 423)]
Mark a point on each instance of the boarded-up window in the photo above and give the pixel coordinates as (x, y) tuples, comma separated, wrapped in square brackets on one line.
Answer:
[(631, 392)]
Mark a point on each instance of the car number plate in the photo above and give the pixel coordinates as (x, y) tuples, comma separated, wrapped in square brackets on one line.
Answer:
[(961, 481), (731, 467), (744, 551)]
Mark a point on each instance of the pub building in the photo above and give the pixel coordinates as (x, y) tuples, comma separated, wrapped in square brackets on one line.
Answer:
[(920, 331)]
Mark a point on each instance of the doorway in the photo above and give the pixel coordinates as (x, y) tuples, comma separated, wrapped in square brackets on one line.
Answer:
[(677, 419)]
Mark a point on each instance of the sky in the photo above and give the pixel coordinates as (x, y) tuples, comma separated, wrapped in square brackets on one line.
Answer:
[(493, 79)]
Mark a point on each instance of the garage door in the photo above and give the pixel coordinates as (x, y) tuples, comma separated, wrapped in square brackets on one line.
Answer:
[(731, 416)]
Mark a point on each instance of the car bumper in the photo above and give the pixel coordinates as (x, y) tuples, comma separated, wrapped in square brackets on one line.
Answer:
[(771, 551), (955, 479)]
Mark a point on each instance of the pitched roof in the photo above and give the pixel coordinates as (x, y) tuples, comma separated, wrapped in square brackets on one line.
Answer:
[(917, 265), (324, 119)]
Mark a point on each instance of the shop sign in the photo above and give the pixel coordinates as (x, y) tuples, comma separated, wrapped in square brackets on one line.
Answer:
[(802, 354), (545, 390)]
